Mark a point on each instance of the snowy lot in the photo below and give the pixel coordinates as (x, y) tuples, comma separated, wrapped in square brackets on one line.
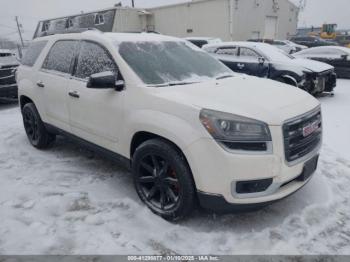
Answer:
[(66, 200)]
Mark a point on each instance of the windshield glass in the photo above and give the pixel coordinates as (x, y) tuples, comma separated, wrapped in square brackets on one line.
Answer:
[(162, 63), (274, 54)]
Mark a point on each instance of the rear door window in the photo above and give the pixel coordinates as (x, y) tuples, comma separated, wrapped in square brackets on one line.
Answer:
[(248, 53), (233, 51), (93, 59), (61, 56), (32, 53)]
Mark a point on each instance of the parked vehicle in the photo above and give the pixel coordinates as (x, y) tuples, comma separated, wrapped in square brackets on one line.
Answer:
[(8, 66), (312, 41), (285, 45), (201, 41), (266, 61), (186, 124), (337, 56), (343, 40)]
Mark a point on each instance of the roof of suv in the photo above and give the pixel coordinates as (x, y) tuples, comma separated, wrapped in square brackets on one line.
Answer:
[(118, 37)]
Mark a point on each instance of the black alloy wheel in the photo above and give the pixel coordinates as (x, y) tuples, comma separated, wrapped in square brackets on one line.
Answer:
[(35, 129), (163, 179)]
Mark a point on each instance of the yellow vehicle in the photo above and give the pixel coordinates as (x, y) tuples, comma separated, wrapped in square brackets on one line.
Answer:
[(329, 31)]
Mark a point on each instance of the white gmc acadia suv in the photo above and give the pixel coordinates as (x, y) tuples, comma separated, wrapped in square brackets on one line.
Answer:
[(190, 129)]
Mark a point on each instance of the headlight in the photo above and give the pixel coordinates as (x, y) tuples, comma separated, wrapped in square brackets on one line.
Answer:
[(237, 132)]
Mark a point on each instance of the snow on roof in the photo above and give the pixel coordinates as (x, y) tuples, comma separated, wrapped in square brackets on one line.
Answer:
[(115, 37), (140, 37), (242, 43), (341, 48), (5, 51), (200, 38)]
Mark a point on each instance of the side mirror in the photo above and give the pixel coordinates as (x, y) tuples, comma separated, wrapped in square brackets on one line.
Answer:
[(344, 57), (105, 80), (261, 60)]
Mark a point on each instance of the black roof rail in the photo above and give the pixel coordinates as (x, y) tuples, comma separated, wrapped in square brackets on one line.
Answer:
[(67, 31)]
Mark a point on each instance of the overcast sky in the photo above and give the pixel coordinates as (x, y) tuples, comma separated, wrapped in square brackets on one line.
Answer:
[(30, 11)]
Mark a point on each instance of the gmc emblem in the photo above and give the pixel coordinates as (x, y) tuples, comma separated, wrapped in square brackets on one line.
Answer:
[(309, 129)]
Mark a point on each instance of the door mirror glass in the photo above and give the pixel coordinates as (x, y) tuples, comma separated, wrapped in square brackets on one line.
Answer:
[(105, 80)]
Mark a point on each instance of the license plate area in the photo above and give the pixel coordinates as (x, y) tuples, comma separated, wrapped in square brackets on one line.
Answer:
[(309, 168)]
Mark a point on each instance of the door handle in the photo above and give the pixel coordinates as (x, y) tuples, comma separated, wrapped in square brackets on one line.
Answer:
[(40, 84), (240, 66), (74, 94)]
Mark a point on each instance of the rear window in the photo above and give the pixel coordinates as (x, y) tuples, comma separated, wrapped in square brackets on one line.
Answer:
[(33, 52), (61, 56)]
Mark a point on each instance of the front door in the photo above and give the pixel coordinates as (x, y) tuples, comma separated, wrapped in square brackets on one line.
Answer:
[(250, 62), (95, 114)]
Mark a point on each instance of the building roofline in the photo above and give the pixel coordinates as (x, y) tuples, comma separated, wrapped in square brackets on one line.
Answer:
[(197, 1), (92, 12), (180, 4)]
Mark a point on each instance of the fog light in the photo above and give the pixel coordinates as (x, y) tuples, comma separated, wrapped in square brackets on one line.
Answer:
[(255, 186)]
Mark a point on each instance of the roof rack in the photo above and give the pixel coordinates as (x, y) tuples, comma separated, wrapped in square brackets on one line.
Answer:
[(68, 31)]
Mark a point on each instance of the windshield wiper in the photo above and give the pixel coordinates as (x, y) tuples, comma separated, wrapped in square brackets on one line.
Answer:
[(173, 84), (224, 76)]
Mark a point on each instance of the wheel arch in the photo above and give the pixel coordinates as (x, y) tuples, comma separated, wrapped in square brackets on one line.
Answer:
[(142, 136), (23, 100)]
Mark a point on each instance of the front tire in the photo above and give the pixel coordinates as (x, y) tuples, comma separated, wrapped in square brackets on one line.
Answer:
[(163, 179), (35, 129)]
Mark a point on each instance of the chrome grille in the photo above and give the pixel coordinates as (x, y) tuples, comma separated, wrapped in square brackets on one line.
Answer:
[(298, 143)]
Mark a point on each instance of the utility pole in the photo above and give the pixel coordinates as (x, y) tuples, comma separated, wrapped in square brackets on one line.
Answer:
[(132, 3), (19, 31)]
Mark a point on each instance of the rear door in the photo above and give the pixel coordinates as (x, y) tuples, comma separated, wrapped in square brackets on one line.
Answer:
[(95, 114), (53, 79)]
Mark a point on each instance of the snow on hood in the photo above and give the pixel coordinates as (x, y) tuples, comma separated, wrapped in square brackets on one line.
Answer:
[(315, 66), (8, 60), (261, 99)]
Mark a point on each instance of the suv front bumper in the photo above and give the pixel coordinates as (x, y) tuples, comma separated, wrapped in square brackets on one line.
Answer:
[(216, 173)]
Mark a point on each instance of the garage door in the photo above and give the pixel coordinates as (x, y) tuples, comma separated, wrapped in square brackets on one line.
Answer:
[(270, 27)]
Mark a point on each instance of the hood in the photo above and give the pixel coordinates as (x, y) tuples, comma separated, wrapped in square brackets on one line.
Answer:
[(8, 61), (256, 98), (312, 65)]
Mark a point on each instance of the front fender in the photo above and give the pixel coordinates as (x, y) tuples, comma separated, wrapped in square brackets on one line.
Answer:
[(180, 131)]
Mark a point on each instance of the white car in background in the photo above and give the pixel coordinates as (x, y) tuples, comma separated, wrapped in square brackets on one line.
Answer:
[(189, 128), (202, 41), (290, 46)]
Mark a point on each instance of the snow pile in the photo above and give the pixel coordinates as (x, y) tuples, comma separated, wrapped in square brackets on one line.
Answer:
[(66, 200)]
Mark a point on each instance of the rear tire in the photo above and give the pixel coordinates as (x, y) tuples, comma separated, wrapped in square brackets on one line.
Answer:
[(163, 179), (35, 129)]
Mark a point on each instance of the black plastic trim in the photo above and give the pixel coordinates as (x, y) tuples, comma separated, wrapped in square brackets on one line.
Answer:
[(115, 157)]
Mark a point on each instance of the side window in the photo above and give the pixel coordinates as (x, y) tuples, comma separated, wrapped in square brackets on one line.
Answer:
[(248, 53), (99, 19), (61, 56), (32, 53), (279, 43), (93, 59), (227, 51)]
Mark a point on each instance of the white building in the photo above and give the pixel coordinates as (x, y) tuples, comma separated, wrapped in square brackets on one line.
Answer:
[(225, 19)]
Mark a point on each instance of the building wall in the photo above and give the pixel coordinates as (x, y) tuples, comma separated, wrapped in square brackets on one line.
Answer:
[(127, 20), (206, 18), (213, 18)]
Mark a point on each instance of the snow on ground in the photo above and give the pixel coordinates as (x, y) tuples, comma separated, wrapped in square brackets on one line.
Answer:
[(66, 200)]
